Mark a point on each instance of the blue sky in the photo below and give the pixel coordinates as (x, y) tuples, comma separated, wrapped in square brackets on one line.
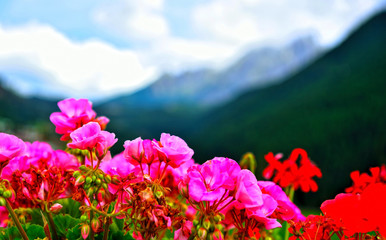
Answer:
[(98, 48)]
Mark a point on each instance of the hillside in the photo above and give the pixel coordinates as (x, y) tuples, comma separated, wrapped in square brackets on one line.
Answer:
[(26, 117), (335, 109), (207, 87)]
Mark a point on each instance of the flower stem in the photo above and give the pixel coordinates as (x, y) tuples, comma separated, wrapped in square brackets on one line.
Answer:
[(291, 190), (106, 228), (91, 230), (52, 226), (15, 220)]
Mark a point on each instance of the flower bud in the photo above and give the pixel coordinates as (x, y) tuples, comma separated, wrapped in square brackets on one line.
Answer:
[(86, 186), (98, 182), (105, 186), (94, 178), (22, 219), (85, 230), (218, 235), (2, 202), (83, 168), (83, 218), (158, 193), (95, 224), (183, 189), (115, 180), (56, 208), (101, 194), (195, 222), (76, 174), (202, 233), (206, 224), (7, 194), (248, 161), (90, 191), (88, 180), (108, 178), (80, 180), (217, 218)]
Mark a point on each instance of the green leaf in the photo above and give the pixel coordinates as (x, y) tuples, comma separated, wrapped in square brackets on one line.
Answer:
[(64, 223), (13, 232), (35, 231), (120, 235), (70, 207), (36, 216), (74, 233)]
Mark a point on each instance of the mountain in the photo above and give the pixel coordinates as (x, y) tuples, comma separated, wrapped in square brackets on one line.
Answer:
[(28, 118), (334, 109), (206, 87)]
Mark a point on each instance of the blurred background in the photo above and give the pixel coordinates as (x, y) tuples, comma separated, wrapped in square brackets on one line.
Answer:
[(227, 76)]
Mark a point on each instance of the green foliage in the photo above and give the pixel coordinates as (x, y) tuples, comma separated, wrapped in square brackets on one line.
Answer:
[(70, 207), (74, 233), (33, 232), (65, 223)]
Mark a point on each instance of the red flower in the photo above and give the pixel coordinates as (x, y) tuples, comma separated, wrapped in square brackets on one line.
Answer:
[(288, 173), (361, 181)]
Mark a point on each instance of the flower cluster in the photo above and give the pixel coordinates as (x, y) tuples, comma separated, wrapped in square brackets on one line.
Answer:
[(154, 189), (358, 214), (289, 174)]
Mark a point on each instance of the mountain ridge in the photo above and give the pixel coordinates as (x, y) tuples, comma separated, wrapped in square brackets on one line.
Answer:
[(206, 87)]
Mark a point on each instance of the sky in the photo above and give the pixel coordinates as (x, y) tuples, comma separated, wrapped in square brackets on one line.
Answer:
[(99, 48)]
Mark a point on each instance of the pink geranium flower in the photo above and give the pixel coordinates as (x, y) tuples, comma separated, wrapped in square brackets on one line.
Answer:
[(139, 151), (10, 147), (210, 181), (184, 232), (90, 136), (248, 193), (105, 141), (85, 137), (286, 210), (74, 114), (174, 150)]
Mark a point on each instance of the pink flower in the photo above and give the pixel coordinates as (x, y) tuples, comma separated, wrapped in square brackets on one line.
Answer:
[(139, 151), (10, 147), (248, 193), (74, 113), (56, 207), (210, 181), (105, 142), (184, 232), (86, 137), (286, 210), (174, 149), (4, 217), (118, 166), (64, 160)]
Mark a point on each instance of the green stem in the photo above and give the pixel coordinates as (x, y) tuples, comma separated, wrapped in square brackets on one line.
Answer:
[(106, 228), (16, 220), (291, 191), (91, 230), (52, 226)]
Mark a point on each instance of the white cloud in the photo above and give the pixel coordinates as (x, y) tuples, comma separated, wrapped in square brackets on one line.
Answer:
[(221, 29), (92, 68), (245, 21), (215, 32), (139, 20)]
